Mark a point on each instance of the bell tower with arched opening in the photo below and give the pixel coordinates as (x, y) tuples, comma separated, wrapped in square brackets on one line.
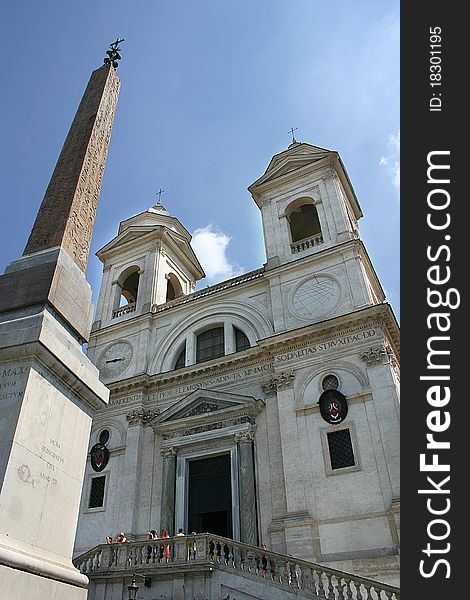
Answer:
[(317, 264), (150, 262)]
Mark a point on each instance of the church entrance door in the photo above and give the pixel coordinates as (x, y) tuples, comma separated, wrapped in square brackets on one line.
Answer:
[(210, 496)]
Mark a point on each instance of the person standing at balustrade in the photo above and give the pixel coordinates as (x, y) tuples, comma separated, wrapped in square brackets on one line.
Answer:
[(166, 535), (264, 560)]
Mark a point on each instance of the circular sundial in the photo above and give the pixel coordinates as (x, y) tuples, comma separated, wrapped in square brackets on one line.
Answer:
[(115, 359), (315, 297)]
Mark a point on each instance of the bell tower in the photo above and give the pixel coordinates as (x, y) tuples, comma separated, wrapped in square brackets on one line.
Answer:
[(150, 262), (317, 264)]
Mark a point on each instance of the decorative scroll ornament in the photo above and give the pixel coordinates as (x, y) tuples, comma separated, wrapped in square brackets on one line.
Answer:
[(333, 406), (141, 416), (99, 457), (245, 436), (379, 355), (278, 382), (113, 53), (168, 452)]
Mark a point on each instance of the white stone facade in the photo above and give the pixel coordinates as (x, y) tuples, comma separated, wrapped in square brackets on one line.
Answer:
[(315, 309)]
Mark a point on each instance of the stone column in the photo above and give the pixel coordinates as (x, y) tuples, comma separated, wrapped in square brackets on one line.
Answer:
[(168, 489), (248, 521)]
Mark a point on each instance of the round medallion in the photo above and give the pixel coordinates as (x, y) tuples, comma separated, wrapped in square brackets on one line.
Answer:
[(315, 297), (99, 456), (115, 359), (333, 406)]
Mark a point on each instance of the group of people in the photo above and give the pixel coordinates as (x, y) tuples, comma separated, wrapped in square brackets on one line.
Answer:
[(160, 552), (120, 539)]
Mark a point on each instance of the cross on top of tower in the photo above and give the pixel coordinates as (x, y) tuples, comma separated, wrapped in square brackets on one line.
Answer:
[(291, 131), (158, 206)]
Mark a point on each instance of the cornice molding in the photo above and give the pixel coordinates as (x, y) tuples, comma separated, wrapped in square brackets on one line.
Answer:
[(378, 315)]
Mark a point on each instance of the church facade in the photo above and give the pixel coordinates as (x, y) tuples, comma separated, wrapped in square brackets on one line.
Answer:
[(263, 409)]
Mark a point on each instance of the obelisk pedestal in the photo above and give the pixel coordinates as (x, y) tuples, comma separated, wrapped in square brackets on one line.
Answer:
[(49, 389)]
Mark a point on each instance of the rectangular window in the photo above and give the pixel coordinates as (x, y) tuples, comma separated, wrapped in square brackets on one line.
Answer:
[(210, 344), (97, 492), (341, 450)]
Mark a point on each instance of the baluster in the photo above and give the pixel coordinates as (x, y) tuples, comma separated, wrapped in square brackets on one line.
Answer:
[(375, 593), (298, 576), (244, 560), (307, 579), (358, 591), (238, 558), (279, 571), (340, 588), (349, 593), (272, 568), (282, 569), (255, 562), (368, 595), (330, 591), (321, 587)]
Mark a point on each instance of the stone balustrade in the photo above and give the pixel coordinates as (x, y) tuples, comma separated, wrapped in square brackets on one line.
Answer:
[(124, 310), (309, 242), (158, 556)]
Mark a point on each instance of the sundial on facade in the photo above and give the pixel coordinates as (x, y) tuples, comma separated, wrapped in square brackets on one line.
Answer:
[(316, 296)]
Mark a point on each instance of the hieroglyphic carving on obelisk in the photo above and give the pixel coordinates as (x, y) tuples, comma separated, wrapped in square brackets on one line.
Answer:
[(68, 210)]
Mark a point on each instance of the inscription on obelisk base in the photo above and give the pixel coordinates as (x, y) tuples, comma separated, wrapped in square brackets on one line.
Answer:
[(49, 389)]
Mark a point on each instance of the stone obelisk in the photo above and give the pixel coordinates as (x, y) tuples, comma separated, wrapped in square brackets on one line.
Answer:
[(49, 389)]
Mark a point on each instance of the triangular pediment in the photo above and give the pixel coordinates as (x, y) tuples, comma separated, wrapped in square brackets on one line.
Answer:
[(139, 232), (294, 158), (125, 237), (203, 404)]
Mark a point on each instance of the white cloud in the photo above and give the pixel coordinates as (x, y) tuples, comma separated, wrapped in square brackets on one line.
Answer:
[(210, 246), (392, 160)]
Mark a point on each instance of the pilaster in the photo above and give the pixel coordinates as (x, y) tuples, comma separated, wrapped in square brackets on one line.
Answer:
[(168, 489), (248, 527)]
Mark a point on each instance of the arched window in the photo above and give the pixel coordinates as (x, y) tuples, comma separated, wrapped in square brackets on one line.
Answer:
[(173, 287), (181, 360), (129, 288), (303, 222), (210, 344), (241, 341)]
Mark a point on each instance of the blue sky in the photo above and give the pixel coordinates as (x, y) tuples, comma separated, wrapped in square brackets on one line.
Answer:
[(209, 92)]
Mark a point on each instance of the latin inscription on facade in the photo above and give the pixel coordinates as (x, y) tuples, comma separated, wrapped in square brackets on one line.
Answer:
[(330, 345), (209, 383)]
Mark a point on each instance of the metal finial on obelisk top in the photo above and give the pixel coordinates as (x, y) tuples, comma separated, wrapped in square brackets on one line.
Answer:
[(113, 53), (291, 131)]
